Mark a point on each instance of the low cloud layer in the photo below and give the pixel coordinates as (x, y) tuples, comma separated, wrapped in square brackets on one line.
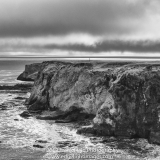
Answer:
[(142, 46), (115, 45)]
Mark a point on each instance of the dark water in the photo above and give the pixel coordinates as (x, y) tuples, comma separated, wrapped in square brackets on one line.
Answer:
[(11, 68)]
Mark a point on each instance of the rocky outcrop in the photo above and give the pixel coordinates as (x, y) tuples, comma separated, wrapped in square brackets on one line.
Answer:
[(124, 98), (62, 85), (132, 106), (30, 72)]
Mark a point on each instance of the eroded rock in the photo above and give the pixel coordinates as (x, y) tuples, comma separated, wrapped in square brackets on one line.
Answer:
[(154, 137), (41, 141), (37, 146), (30, 72), (25, 114), (124, 98)]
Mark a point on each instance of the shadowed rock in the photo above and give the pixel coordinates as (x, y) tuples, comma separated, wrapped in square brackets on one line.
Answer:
[(50, 116), (20, 98), (41, 141), (16, 119), (37, 146), (25, 114)]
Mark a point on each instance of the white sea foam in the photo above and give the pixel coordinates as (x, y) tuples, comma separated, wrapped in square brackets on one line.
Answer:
[(9, 77)]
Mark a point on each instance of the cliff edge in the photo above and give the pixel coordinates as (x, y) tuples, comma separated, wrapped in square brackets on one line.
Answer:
[(123, 98), (30, 72)]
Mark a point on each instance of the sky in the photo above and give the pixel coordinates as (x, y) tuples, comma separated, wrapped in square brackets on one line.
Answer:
[(36, 28)]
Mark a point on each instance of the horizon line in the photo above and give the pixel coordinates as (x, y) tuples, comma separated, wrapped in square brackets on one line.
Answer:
[(109, 57)]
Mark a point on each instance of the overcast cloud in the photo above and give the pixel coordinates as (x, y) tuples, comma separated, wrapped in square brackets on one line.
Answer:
[(102, 25)]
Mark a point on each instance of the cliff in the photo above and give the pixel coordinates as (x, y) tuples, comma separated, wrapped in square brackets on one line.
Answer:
[(30, 72), (124, 98)]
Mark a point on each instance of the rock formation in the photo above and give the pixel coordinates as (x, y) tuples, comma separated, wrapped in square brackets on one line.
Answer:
[(123, 97), (30, 72)]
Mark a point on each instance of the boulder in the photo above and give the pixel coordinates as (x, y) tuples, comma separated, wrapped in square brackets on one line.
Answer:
[(37, 146), (25, 114)]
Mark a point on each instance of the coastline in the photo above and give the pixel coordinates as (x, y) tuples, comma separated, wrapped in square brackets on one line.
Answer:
[(100, 91), (52, 133)]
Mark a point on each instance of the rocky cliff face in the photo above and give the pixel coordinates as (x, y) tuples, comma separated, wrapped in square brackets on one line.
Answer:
[(124, 98), (30, 72)]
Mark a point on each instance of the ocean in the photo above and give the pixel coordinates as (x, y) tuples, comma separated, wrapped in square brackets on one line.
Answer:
[(10, 68)]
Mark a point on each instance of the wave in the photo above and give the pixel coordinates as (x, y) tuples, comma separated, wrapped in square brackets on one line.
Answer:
[(9, 77)]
